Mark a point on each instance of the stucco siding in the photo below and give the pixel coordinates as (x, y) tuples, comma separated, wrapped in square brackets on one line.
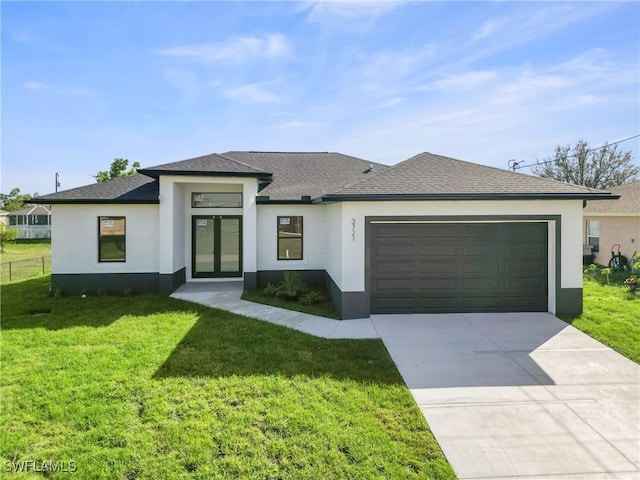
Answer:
[(622, 229), (353, 255), (314, 242), (74, 243)]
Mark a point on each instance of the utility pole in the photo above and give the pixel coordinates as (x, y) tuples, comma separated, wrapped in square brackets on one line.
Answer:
[(57, 181)]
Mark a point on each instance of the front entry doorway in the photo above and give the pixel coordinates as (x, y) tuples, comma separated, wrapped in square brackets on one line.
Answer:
[(216, 247)]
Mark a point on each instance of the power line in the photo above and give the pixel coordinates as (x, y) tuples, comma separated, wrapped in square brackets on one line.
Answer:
[(515, 165)]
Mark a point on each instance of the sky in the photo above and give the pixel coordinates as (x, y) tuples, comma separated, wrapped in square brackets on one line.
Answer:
[(155, 82)]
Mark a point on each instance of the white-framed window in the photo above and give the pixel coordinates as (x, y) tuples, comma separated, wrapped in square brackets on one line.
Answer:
[(593, 235)]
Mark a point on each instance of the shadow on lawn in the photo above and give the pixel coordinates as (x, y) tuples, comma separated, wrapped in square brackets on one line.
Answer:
[(28, 304), (238, 346)]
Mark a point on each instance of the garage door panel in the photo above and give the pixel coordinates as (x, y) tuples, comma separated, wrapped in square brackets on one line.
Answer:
[(425, 249), (429, 230), (396, 267), (437, 266), (480, 266), (395, 249), (480, 249), (524, 283), (458, 267), (524, 267), (479, 302)]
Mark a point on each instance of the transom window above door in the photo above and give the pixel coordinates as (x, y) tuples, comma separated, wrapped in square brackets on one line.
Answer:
[(216, 200)]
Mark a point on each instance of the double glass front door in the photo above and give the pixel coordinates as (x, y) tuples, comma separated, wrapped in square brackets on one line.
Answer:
[(216, 246)]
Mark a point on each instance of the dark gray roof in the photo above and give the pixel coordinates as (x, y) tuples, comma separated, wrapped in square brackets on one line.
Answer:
[(629, 201), (289, 176), (212, 164), (432, 175), (136, 188), (314, 174)]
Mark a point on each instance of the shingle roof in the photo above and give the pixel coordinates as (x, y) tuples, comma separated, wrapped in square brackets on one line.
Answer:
[(434, 175), (207, 165), (314, 174), (288, 176), (136, 188), (31, 210), (629, 201)]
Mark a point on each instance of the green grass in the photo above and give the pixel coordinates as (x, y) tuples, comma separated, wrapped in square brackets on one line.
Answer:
[(26, 258), (325, 309), (152, 387), (611, 315)]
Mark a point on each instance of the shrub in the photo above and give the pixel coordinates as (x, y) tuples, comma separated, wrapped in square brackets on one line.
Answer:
[(271, 290), (312, 297), (291, 285)]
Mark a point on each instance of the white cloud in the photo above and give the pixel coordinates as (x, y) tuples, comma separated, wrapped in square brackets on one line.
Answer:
[(57, 89), (234, 49), (488, 29), (348, 9), (296, 124), (392, 102), (464, 80), (252, 93)]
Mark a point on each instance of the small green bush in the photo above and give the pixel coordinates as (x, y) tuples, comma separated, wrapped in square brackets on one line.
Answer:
[(271, 290), (312, 297), (291, 285)]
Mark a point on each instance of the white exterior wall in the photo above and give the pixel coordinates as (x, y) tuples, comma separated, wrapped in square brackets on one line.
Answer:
[(314, 240), (352, 252), (74, 242), (176, 213)]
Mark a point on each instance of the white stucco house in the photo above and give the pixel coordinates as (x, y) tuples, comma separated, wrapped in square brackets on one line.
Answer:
[(430, 234)]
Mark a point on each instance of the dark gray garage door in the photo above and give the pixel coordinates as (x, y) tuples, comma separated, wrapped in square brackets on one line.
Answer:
[(436, 268)]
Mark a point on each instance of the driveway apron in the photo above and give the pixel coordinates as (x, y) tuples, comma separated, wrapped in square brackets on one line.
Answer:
[(523, 396)]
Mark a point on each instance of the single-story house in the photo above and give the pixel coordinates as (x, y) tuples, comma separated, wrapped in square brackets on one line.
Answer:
[(617, 222), (430, 234), (32, 221)]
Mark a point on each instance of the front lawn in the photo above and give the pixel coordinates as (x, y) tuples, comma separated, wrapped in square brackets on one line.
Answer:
[(611, 315), (152, 387)]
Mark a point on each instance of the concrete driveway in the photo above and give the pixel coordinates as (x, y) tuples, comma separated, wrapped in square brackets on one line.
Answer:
[(520, 395)]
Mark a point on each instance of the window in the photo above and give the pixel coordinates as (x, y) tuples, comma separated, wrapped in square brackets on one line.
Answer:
[(593, 235), (289, 238), (111, 239), (216, 200)]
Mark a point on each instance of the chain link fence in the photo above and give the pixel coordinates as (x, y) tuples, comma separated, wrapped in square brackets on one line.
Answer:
[(22, 269)]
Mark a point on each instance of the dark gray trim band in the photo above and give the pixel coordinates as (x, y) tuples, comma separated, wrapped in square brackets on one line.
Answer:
[(111, 283), (466, 196), (169, 282)]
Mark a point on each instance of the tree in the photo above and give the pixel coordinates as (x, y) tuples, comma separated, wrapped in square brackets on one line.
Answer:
[(15, 200), (118, 169), (600, 168), (7, 235)]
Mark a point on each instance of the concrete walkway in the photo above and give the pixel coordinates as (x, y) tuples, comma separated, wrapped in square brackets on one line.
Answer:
[(507, 396), (226, 295)]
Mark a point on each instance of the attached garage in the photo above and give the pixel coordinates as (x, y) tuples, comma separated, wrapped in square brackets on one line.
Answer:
[(426, 267)]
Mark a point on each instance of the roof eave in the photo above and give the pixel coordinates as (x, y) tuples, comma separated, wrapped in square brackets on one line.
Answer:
[(197, 173), (466, 196), (87, 201)]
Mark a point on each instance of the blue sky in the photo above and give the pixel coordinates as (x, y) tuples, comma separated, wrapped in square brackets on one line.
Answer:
[(86, 82)]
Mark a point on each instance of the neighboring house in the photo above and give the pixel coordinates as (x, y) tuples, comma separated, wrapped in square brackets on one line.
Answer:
[(430, 234), (33, 221), (616, 222)]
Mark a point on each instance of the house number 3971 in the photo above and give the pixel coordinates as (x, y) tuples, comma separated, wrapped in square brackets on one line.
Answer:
[(353, 229)]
